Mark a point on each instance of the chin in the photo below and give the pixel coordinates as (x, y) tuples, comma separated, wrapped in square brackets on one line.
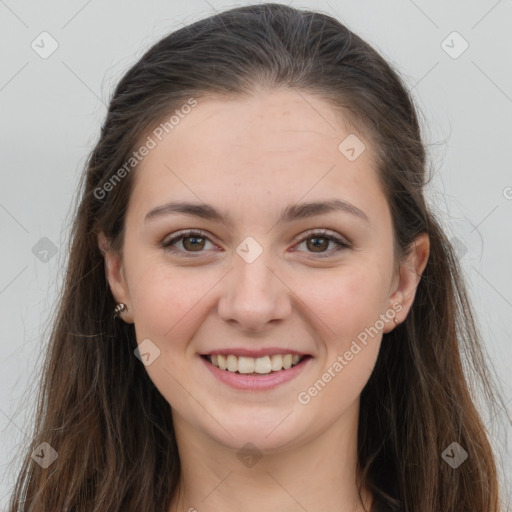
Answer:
[(272, 434)]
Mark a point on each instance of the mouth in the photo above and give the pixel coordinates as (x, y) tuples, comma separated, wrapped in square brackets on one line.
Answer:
[(255, 366)]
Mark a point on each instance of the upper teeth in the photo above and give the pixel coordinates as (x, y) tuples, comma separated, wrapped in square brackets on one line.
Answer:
[(264, 364)]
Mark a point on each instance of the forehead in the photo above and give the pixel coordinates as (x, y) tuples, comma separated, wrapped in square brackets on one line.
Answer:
[(274, 146)]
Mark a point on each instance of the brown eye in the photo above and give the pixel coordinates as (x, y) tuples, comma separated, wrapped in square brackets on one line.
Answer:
[(194, 244), (191, 242), (318, 242)]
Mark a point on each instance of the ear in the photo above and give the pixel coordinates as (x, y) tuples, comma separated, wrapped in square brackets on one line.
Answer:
[(114, 272), (407, 280)]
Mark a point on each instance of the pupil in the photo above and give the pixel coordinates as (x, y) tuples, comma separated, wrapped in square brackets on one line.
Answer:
[(194, 239), (316, 239)]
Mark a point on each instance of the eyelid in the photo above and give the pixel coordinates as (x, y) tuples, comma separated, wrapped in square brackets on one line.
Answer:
[(323, 232), (342, 242), (184, 233)]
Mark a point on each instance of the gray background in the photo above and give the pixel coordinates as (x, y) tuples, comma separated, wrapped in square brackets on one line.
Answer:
[(52, 110)]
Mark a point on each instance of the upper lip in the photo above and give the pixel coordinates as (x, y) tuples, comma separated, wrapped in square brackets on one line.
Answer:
[(253, 352)]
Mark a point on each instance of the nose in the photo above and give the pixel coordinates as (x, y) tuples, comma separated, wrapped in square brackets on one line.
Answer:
[(254, 295)]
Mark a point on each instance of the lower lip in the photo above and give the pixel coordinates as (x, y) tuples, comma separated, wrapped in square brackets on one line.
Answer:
[(256, 383)]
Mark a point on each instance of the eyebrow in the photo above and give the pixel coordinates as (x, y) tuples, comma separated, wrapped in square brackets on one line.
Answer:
[(290, 213)]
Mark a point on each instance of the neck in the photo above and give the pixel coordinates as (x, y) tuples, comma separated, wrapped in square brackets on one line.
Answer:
[(315, 474)]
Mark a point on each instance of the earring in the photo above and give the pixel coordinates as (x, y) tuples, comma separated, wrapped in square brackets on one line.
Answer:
[(396, 320), (120, 308)]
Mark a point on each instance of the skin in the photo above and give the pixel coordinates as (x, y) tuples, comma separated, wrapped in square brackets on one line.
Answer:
[(250, 158)]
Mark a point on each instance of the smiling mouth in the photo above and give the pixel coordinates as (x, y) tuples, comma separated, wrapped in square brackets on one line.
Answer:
[(255, 365)]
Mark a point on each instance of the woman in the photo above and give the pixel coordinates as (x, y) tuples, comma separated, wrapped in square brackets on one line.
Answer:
[(260, 310)]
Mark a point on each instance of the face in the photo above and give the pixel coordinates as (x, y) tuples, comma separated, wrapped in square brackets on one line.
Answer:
[(264, 278)]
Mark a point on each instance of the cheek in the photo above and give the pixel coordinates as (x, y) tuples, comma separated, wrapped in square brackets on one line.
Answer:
[(349, 305), (351, 310), (349, 300), (162, 297), (165, 305)]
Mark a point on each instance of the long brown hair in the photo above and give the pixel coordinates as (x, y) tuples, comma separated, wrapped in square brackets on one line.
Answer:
[(98, 408)]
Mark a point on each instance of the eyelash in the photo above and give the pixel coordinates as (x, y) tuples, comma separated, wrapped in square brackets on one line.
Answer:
[(197, 233)]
